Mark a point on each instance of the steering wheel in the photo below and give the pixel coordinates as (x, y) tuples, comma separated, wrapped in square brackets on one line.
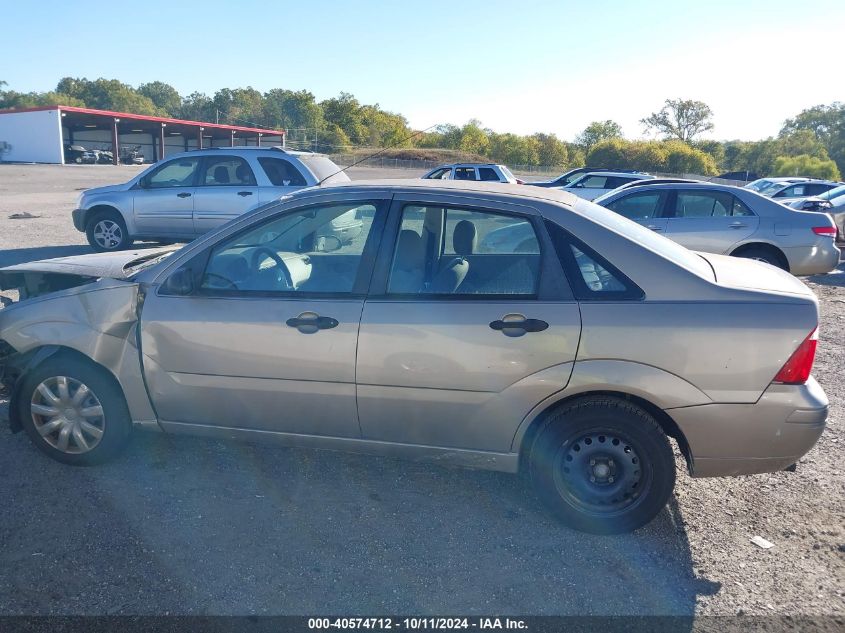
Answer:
[(277, 260)]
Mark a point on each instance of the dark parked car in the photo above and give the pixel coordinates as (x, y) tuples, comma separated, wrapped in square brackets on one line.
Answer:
[(569, 177)]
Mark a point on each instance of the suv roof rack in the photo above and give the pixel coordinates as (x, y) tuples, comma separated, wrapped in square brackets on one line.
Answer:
[(229, 148)]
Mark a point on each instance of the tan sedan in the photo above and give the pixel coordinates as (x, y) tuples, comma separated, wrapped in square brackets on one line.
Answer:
[(573, 356)]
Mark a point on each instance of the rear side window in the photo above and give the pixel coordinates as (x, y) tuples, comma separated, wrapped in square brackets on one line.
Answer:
[(617, 181), (488, 173), (703, 204), (816, 189), (592, 182), (227, 171), (281, 173), (638, 206), (591, 277)]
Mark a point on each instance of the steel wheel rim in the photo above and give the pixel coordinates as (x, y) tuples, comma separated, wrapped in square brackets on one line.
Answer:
[(602, 472), (67, 415), (108, 233)]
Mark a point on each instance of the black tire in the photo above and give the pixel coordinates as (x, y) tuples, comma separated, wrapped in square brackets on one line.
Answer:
[(114, 221), (115, 421), (617, 444), (763, 255)]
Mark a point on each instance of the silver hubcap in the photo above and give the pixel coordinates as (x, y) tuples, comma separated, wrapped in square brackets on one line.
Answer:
[(108, 233), (68, 415)]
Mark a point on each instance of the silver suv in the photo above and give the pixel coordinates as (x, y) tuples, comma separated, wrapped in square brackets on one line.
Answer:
[(189, 194), (484, 172)]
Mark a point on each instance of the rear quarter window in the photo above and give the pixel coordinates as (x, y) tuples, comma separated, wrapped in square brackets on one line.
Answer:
[(281, 173)]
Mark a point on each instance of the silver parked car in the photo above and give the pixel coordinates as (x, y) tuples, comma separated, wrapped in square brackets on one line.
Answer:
[(574, 360), (731, 221), (191, 193), (594, 184), (831, 202), (485, 172)]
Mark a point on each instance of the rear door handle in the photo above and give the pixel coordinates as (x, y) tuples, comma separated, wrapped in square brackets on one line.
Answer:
[(517, 325), (244, 193), (738, 225), (184, 194), (310, 322)]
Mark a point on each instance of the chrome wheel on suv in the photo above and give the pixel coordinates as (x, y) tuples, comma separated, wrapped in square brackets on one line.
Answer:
[(68, 415), (107, 232)]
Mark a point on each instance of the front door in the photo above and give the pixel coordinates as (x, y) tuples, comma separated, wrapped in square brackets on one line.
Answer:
[(465, 332), (709, 221), (226, 188), (163, 204), (267, 340)]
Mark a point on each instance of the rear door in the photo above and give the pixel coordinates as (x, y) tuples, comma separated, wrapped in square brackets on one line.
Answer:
[(163, 204), (711, 221), (456, 345), (643, 207), (226, 187)]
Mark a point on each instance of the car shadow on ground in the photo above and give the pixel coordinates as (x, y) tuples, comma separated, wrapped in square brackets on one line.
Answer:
[(190, 525)]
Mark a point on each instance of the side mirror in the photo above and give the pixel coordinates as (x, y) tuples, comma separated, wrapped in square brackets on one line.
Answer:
[(328, 244), (143, 183), (180, 283)]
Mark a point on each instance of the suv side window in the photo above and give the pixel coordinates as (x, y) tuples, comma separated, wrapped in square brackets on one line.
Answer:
[(226, 171), (488, 174), (177, 173), (464, 252), (281, 173), (816, 189), (638, 206), (465, 173), (617, 181), (592, 182)]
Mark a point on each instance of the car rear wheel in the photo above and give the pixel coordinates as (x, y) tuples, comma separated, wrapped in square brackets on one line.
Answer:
[(74, 411), (603, 465), (107, 232), (762, 255)]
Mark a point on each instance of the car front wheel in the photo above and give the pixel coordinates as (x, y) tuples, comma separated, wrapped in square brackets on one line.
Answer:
[(603, 465), (74, 411), (107, 232)]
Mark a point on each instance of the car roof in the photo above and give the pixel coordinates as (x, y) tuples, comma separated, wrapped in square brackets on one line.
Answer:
[(623, 174), (454, 186), (469, 165), (682, 185)]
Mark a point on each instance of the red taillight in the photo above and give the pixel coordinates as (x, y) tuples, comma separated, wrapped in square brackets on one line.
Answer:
[(797, 369), (825, 230)]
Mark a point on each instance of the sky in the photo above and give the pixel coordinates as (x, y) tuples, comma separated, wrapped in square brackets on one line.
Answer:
[(520, 67)]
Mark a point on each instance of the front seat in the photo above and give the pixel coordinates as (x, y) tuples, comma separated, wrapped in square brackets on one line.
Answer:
[(452, 275), (221, 175), (409, 267)]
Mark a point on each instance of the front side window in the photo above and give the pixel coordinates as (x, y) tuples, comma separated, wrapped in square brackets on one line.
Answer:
[(449, 251), (313, 250), (176, 173), (488, 174), (281, 173), (638, 206), (441, 174), (795, 191), (227, 171), (591, 182)]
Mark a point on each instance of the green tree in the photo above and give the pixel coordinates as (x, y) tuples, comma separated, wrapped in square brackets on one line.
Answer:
[(511, 149), (344, 111), (293, 110), (598, 131), (683, 119), (474, 139), (827, 122), (197, 106), (551, 150), (806, 165), (108, 94), (164, 96)]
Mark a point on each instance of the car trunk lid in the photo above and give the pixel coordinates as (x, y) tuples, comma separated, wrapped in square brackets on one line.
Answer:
[(750, 274)]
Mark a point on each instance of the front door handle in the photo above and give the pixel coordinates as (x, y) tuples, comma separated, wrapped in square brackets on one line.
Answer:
[(517, 325), (184, 194), (310, 322), (654, 227), (244, 193), (738, 225)]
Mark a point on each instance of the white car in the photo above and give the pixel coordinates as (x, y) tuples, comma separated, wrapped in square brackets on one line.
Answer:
[(188, 194), (597, 183), (789, 192), (487, 172)]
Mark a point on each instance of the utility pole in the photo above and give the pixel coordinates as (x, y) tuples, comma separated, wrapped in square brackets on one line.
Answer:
[(217, 116)]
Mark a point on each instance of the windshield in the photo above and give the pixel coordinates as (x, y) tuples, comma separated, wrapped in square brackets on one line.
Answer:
[(323, 168), (507, 172)]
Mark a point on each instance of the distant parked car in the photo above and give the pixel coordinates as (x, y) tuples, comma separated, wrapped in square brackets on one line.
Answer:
[(762, 185), (732, 221), (191, 193), (790, 192), (653, 181), (573, 174), (79, 155), (487, 172), (831, 202), (594, 184)]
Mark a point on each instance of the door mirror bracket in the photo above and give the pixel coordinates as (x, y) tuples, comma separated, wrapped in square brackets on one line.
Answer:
[(179, 284)]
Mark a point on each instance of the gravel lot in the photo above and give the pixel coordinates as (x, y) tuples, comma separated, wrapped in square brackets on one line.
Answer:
[(192, 526)]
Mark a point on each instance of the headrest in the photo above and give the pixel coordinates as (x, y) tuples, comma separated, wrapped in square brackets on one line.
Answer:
[(464, 238), (221, 174)]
